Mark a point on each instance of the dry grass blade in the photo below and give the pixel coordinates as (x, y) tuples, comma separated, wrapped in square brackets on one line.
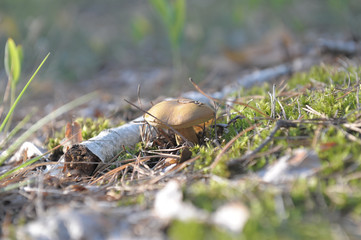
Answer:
[(25, 166), (172, 171), (313, 111), (349, 136), (163, 154), (113, 172), (283, 110), (345, 94), (7, 181), (168, 149), (353, 126), (73, 134), (220, 100)]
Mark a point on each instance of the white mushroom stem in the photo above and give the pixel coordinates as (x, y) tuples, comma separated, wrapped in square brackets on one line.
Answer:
[(187, 133)]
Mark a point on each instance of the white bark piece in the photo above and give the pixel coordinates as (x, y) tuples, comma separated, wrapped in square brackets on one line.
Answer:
[(110, 142), (232, 216), (301, 163), (92, 223), (27, 151), (169, 205), (342, 47)]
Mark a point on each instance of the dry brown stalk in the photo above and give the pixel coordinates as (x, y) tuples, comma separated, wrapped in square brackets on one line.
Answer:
[(345, 94), (316, 136), (266, 153), (115, 171), (222, 101), (172, 171)]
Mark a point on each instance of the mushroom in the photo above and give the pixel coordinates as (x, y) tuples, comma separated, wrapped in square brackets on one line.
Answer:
[(180, 115)]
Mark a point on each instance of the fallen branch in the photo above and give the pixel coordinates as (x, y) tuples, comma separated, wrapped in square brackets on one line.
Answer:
[(257, 77), (340, 47)]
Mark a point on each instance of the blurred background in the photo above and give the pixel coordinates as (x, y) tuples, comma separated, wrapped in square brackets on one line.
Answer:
[(115, 45)]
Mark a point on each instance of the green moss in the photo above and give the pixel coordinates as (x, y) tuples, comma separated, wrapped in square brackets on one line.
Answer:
[(186, 230), (53, 142), (206, 155), (273, 214), (194, 230), (308, 208), (326, 93), (234, 128), (337, 152), (319, 75), (208, 195), (139, 200), (91, 127)]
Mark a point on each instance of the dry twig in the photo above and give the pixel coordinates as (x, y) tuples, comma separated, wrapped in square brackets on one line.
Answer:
[(246, 158)]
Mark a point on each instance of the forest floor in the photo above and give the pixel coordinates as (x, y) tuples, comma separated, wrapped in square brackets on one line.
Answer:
[(282, 160)]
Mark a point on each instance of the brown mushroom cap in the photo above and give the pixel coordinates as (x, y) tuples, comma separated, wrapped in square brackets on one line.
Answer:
[(178, 114)]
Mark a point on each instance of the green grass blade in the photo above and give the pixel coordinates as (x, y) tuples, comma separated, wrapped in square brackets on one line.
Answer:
[(63, 109), (20, 54), (162, 9), (25, 164), (16, 129), (16, 185), (7, 61), (21, 94), (180, 15), (12, 61)]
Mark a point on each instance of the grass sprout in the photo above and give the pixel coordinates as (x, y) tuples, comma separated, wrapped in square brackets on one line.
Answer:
[(173, 15)]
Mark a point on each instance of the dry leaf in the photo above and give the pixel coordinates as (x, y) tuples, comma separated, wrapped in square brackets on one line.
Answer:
[(72, 135)]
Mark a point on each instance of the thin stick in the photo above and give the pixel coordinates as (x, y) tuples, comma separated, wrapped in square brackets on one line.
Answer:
[(173, 170), (283, 110), (138, 94), (358, 96), (273, 111), (220, 100), (118, 169), (279, 124)]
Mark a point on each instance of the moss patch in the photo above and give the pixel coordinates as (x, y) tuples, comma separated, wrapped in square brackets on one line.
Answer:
[(323, 105)]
